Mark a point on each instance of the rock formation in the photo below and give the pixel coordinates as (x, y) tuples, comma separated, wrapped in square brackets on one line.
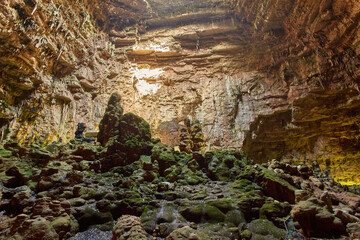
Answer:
[(54, 193), (109, 125), (269, 88), (191, 137), (233, 59)]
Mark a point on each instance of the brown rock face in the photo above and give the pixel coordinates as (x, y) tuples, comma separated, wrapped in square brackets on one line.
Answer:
[(322, 127), (222, 62), (315, 220), (129, 227)]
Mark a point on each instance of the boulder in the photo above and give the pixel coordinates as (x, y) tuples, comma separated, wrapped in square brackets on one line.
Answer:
[(21, 171), (126, 139), (23, 198), (66, 226), (90, 217), (274, 185), (345, 217), (353, 229), (39, 229), (316, 220), (264, 229), (187, 233), (275, 211), (128, 227), (164, 156)]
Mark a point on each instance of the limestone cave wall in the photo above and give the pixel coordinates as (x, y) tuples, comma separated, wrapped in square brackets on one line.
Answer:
[(221, 62)]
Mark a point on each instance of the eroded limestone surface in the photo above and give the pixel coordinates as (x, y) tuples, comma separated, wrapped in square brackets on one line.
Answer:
[(78, 190)]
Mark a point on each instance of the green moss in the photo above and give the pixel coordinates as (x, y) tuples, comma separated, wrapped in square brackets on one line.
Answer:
[(225, 165), (267, 173), (164, 155), (213, 214), (246, 234), (199, 196), (244, 185), (223, 204), (92, 217), (5, 153), (235, 217), (269, 209), (266, 229), (172, 173), (192, 178), (192, 212)]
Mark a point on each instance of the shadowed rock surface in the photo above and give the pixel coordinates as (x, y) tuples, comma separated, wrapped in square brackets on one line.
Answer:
[(269, 90), (82, 190)]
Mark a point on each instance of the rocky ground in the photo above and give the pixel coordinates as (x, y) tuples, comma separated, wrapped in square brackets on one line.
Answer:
[(130, 186)]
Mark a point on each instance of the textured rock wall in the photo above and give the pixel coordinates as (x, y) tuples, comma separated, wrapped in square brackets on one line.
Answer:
[(222, 62), (52, 61)]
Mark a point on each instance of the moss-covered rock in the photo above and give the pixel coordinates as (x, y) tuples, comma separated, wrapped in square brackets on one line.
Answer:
[(190, 177), (86, 151), (164, 156), (212, 214), (235, 217), (172, 173), (4, 153), (265, 229), (132, 141), (244, 185), (188, 233), (274, 185), (164, 212), (192, 211), (224, 165), (126, 137), (246, 234), (109, 125), (224, 204), (40, 228), (274, 210), (90, 217), (250, 204), (66, 226)]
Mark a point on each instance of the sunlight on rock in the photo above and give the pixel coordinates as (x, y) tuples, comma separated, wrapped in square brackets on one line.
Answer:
[(153, 46), (145, 79)]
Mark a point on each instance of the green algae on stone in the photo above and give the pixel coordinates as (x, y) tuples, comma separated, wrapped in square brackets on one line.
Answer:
[(164, 155), (264, 229), (274, 209), (188, 233), (246, 234), (190, 177), (217, 230), (66, 226), (274, 185), (212, 214), (192, 211), (172, 173), (5, 153), (244, 185), (224, 204), (91, 217), (225, 165), (235, 217)]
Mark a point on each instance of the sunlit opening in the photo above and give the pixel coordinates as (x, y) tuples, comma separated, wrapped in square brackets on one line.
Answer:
[(161, 47), (145, 80)]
